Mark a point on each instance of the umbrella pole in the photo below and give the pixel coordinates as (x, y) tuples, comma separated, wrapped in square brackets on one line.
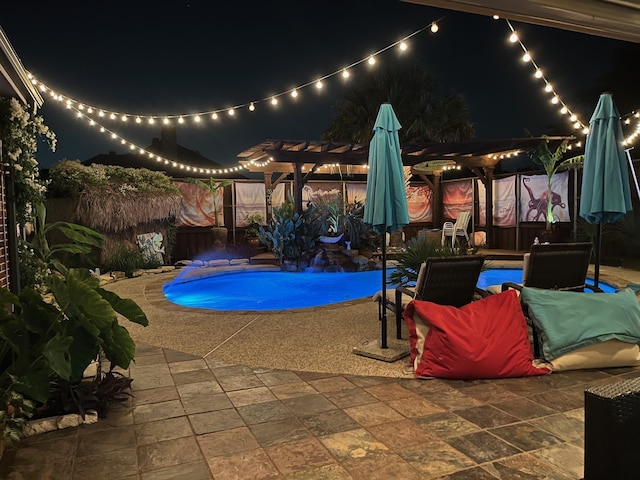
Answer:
[(383, 340), (596, 274)]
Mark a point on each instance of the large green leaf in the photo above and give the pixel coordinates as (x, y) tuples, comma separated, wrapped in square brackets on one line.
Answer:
[(122, 349), (37, 315), (84, 350), (56, 351), (34, 385), (69, 248), (125, 307), (79, 233)]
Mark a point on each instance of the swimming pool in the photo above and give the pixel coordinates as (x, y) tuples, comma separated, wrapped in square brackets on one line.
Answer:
[(274, 290)]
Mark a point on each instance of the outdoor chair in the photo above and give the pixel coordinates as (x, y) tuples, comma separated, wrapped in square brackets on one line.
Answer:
[(455, 230), (554, 266), (442, 280), (557, 266)]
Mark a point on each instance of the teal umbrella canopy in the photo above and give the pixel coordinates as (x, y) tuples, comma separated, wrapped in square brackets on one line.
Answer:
[(605, 195), (385, 206)]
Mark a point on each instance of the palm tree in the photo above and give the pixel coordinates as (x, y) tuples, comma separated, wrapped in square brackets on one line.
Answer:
[(411, 91)]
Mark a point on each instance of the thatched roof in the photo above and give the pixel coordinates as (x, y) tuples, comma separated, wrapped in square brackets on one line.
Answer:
[(108, 210)]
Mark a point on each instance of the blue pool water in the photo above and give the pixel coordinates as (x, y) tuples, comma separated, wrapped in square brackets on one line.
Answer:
[(269, 290)]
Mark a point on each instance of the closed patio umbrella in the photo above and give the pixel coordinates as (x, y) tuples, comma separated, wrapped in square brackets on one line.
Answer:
[(385, 206), (605, 195)]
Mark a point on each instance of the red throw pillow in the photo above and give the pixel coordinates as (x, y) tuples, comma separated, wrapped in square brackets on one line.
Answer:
[(487, 338)]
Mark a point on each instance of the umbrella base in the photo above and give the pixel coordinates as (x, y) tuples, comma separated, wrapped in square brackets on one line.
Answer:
[(395, 350)]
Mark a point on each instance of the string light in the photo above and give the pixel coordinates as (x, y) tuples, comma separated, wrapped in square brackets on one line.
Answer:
[(150, 155), (213, 113), (548, 87)]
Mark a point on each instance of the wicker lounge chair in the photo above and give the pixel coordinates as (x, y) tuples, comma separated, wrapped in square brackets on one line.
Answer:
[(558, 266), (443, 280)]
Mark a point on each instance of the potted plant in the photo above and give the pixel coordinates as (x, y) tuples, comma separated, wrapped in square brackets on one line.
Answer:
[(552, 162), (216, 188)]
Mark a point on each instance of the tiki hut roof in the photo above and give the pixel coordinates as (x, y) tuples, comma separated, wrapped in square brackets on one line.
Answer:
[(109, 210)]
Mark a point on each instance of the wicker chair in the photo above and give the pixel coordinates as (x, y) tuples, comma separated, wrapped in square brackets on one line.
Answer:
[(558, 266), (555, 266), (443, 280)]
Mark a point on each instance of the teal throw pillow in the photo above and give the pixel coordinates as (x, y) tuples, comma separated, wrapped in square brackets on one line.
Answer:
[(567, 321)]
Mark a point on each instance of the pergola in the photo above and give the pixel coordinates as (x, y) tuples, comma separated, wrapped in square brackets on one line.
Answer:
[(277, 159)]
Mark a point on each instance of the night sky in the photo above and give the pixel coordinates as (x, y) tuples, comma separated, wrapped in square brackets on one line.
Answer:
[(158, 57)]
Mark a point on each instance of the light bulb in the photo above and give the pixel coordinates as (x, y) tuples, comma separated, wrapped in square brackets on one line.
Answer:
[(112, 116), (252, 107), (538, 73), (319, 84), (564, 110), (151, 120), (214, 116), (496, 17), (434, 27), (345, 73), (138, 120), (274, 101), (513, 38), (576, 125), (197, 119), (371, 60), (548, 87), (403, 46), (526, 57), (294, 93), (181, 120), (555, 100), (231, 112), (124, 118), (165, 121), (573, 118)]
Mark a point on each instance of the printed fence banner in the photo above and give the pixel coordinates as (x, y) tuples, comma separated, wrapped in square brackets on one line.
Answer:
[(196, 206), (533, 198), (356, 192), (504, 202), (250, 200), (419, 203), (279, 194), (457, 196), (482, 203), (320, 192)]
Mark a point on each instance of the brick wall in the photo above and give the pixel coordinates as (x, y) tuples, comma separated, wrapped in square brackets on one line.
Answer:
[(4, 237)]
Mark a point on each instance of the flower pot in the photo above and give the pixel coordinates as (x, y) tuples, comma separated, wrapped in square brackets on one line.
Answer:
[(550, 236), (219, 235)]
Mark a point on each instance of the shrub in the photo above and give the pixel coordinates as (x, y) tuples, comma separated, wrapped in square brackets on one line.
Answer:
[(128, 260)]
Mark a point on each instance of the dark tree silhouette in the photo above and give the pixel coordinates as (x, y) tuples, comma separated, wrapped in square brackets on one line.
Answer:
[(411, 90)]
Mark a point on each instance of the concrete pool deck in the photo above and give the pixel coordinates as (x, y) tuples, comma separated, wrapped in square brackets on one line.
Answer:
[(318, 339)]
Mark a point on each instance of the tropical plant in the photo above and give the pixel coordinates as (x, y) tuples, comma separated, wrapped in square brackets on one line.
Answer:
[(280, 233), (82, 241), (552, 162), (416, 251), (411, 90), (54, 330)]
